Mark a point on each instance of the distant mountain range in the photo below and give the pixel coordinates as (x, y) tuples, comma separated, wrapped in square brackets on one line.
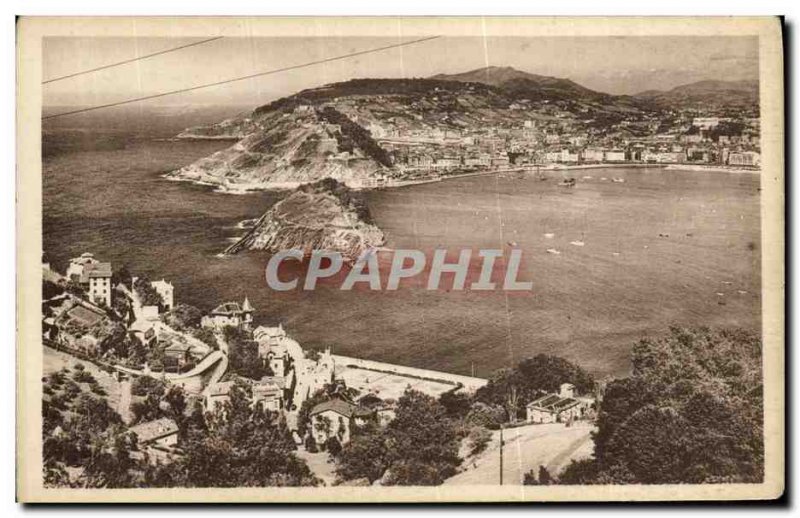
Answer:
[(705, 93), (526, 85), (536, 87)]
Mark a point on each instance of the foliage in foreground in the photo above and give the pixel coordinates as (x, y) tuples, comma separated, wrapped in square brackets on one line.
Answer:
[(690, 413), (419, 447)]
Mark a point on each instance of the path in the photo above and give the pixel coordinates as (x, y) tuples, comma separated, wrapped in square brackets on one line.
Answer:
[(527, 448)]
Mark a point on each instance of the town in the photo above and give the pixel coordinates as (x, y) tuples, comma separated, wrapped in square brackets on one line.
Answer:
[(557, 134), (131, 332)]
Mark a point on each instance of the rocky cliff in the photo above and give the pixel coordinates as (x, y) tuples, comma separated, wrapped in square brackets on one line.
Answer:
[(285, 148), (324, 215)]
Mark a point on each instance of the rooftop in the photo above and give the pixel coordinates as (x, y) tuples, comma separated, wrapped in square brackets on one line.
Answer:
[(229, 308), (340, 407), (152, 430), (96, 270)]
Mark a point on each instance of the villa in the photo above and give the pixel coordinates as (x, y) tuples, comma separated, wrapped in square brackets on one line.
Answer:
[(230, 314)]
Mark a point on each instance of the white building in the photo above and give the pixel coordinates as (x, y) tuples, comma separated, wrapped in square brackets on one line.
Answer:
[(592, 155), (167, 291), (229, 314), (747, 158), (614, 156), (706, 122), (277, 348), (77, 264), (161, 432), (309, 376), (217, 395), (558, 408), (335, 419), (98, 276)]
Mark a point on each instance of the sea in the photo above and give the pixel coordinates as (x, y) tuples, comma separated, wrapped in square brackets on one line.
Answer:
[(620, 257)]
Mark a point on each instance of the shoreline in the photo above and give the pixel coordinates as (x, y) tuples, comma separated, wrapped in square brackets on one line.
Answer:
[(286, 186), (712, 169)]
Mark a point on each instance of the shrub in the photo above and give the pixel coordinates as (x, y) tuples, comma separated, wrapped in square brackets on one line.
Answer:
[(478, 439)]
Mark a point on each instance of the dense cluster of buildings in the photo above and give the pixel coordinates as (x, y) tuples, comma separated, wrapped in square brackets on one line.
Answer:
[(295, 375), (706, 140)]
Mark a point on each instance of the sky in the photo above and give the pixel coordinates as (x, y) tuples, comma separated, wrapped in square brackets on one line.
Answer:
[(616, 65)]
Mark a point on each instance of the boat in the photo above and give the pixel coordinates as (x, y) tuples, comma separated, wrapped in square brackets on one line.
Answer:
[(618, 180), (567, 182), (553, 251), (577, 243)]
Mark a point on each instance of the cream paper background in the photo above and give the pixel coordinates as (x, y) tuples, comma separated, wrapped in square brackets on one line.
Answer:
[(31, 30)]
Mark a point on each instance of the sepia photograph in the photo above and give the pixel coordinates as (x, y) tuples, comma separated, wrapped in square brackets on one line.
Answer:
[(400, 259)]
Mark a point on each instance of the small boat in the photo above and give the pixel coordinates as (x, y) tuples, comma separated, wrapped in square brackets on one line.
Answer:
[(553, 251), (549, 235), (618, 180), (512, 243), (577, 243), (587, 177), (567, 182)]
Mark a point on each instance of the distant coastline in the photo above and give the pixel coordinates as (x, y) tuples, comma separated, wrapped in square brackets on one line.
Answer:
[(246, 188)]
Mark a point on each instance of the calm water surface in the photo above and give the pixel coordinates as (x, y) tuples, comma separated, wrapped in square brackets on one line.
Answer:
[(661, 248)]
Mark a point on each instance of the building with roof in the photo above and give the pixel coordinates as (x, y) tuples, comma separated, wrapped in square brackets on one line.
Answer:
[(276, 348), (335, 418), (77, 264), (747, 158), (217, 394), (230, 314), (558, 408), (307, 376), (167, 292), (269, 393), (160, 432), (93, 276)]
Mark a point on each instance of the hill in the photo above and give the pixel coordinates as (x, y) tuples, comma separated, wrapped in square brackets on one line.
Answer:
[(363, 131), (333, 131), (325, 215), (525, 85), (704, 94)]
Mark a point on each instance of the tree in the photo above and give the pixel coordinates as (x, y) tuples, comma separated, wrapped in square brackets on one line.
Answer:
[(110, 464), (143, 385), (422, 442), (487, 416), (690, 413), (478, 439), (122, 276), (456, 403), (148, 296), (184, 316), (512, 403), (243, 355), (333, 446), (544, 477), (176, 399), (365, 456), (243, 446), (50, 289), (206, 336), (530, 379)]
